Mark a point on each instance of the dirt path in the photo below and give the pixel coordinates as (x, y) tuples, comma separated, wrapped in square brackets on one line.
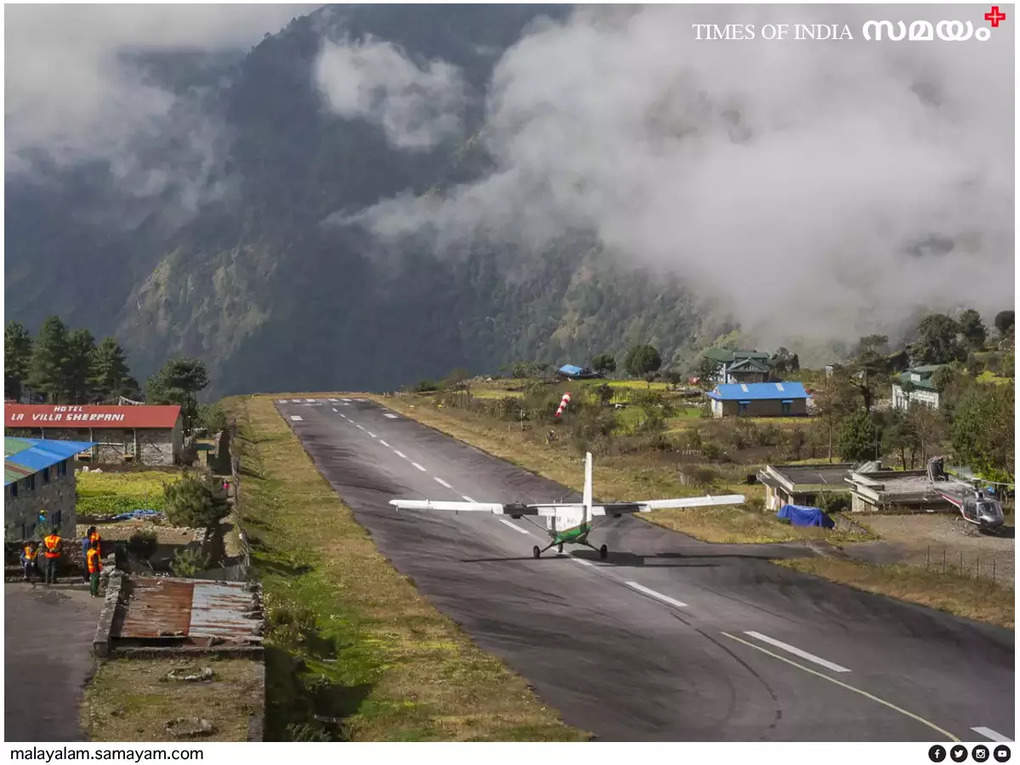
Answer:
[(937, 540)]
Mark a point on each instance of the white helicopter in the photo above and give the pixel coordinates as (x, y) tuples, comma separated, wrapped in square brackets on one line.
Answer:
[(569, 523)]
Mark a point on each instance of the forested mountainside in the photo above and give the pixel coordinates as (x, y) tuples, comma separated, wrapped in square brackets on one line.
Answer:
[(232, 260)]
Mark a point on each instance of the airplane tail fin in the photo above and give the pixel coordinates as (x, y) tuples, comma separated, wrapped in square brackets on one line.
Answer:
[(587, 487)]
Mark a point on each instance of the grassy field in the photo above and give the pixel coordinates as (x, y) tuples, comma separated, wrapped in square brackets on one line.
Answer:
[(353, 650), (954, 593), (131, 699), (112, 493)]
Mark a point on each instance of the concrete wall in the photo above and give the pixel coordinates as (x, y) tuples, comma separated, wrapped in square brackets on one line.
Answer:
[(901, 400), (57, 496)]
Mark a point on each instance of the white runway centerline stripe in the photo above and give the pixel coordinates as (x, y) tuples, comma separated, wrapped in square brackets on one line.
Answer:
[(310, 400), (441, 482), (796, 651), (335, 409), (840, 683), (656, 595), (466, 498), (391, 416), (384, 443), (359, 427), (296, 417), (400, 454), (514, 526), (333, 399), (991, 734), (370, 433), (419, 467)]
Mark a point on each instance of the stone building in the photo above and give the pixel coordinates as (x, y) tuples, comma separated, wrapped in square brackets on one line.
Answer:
[(803, 484), (916, 385), (148, 435), (39, 475)]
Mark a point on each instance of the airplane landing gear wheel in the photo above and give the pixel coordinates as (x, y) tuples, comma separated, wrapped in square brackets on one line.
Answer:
[(559, 547), (535, 551), (603, 552)]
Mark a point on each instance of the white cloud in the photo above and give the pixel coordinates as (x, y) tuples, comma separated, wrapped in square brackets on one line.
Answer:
[(792, 181), (417, 106), (73, 92)]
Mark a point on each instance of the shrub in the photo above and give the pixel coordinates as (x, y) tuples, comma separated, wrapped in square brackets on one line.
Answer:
[(188, 562), (193, 502), (142, 543), (831, 502), (425, 386)]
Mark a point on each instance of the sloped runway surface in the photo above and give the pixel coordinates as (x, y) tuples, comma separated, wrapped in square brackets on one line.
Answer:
[(669, 638)]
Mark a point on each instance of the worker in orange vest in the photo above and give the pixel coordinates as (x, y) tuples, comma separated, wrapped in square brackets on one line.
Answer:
[(51, 552), (28, 554), (95, 566)]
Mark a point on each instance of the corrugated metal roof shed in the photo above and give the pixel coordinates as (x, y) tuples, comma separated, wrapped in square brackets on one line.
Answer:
[(758, 391), (191, 610), (58, 416), (26, 456)]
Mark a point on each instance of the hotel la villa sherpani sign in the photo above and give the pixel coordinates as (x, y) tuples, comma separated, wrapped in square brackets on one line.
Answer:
[(73, 414)]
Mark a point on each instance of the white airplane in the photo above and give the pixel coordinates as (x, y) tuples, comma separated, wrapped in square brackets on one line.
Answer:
[(571, 522)]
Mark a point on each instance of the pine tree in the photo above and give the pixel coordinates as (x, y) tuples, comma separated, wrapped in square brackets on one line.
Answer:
[(178, 382), (17, 359), (47, 370), (80, 347), (109, 375)]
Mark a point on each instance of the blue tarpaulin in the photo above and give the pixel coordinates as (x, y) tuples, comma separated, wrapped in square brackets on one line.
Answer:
[(805, 516)]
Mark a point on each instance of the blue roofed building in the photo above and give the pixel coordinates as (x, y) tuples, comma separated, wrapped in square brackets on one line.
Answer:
[(572, 372), (766, 399), (39, 486)]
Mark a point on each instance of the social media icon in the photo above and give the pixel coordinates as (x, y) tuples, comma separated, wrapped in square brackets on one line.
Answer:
[(1001, 753), (979, 753), (937, 753), (958, 753)]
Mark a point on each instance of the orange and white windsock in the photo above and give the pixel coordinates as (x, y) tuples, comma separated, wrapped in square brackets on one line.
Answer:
[(563, 404)]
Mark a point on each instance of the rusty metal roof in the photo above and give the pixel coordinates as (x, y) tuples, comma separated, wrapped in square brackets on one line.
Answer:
[(189, 610)]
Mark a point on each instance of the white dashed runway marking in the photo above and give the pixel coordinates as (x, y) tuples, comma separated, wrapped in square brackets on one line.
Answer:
[(796, 651), (296, 417), (441, 482), (514, 526), (419, 467), (391, 416), (656, 595)]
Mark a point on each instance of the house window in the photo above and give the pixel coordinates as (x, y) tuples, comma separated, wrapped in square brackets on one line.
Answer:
[(14, 489), (30, 483), (46, 475), (742, 407), (56, 519), (62, 469), (787, 406)]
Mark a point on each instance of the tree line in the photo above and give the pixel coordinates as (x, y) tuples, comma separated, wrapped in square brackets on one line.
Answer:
[(66, 366)]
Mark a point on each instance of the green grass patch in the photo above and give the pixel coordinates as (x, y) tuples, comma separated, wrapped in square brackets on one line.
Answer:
[(354, 652), (112, 493), (951, 592)]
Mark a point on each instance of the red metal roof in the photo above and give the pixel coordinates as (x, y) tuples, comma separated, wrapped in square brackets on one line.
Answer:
[(85, 416)]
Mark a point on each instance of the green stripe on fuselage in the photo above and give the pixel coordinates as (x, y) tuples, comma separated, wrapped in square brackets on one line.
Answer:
[(569, 535)]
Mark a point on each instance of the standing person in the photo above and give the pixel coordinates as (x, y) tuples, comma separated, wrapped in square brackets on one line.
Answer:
[(86, 543), (51, 545), (94, 564), (28, 554)]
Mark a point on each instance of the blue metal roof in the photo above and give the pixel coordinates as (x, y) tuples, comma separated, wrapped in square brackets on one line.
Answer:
[(758, 391), (570, 369), (37, 454)]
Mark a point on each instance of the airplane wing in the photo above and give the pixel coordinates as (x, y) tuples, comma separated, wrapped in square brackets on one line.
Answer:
[(496, 508), (644, 506)]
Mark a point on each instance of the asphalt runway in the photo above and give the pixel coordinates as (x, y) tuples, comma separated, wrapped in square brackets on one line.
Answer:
[(669, 638)]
